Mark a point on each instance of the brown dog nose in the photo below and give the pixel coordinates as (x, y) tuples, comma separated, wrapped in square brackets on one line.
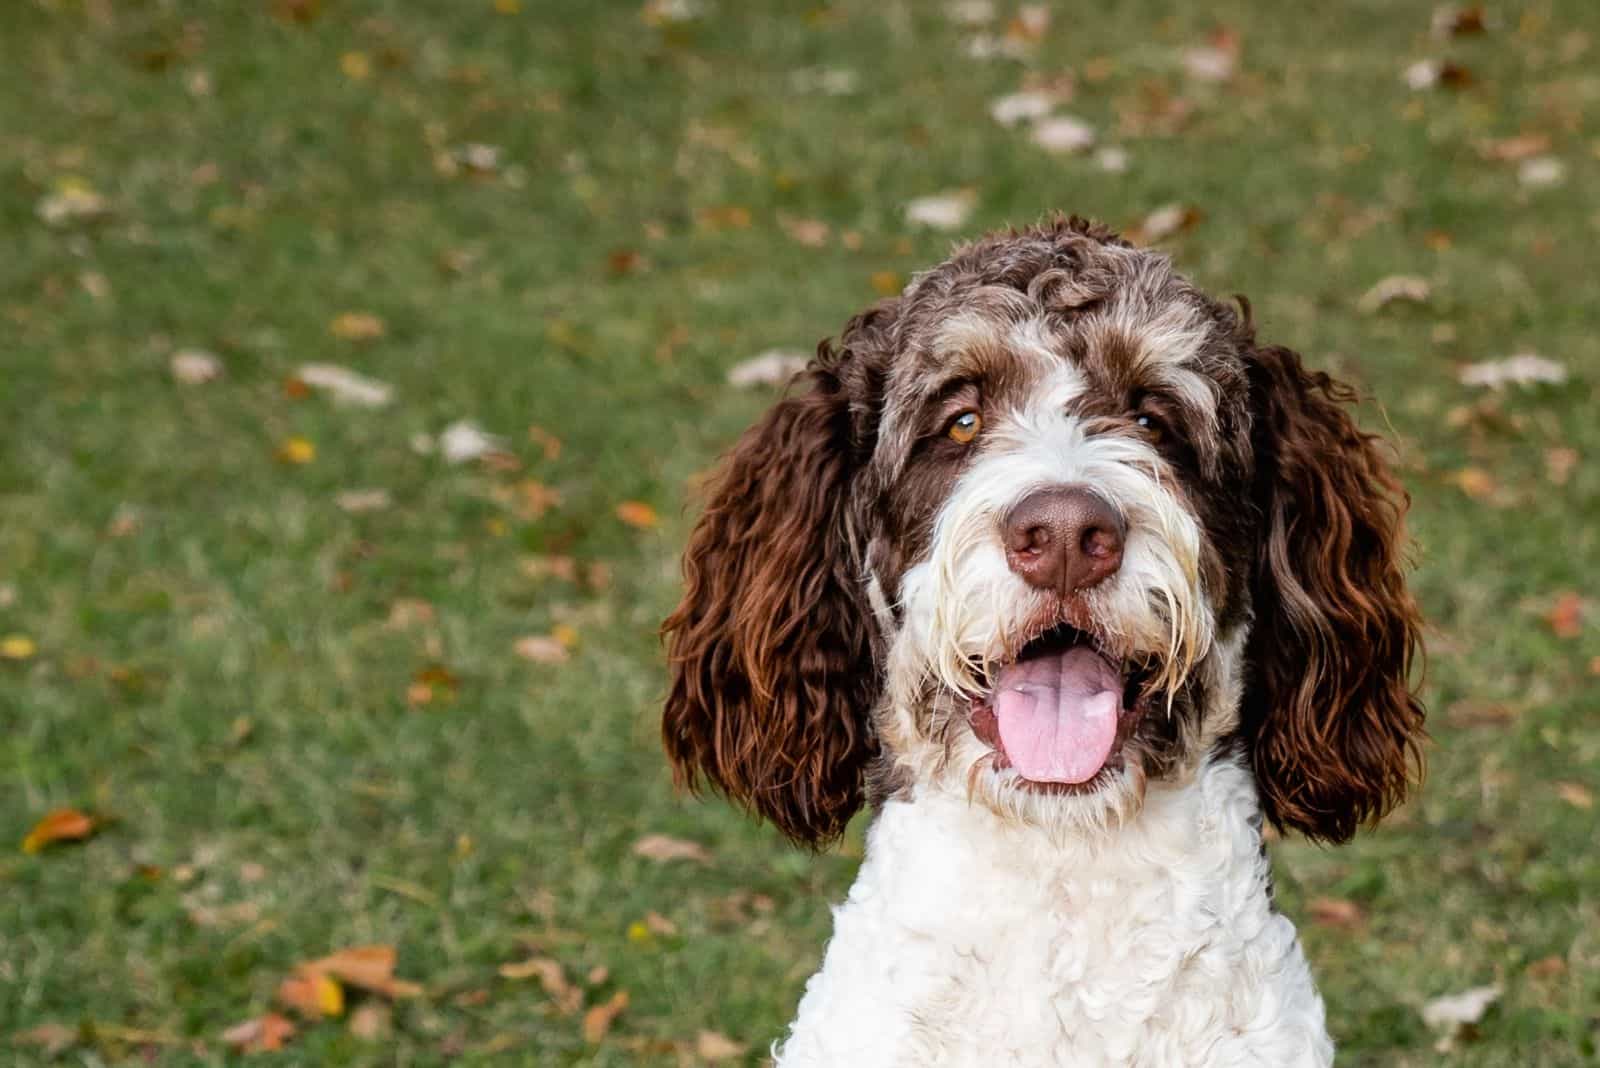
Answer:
[(1064, 538)]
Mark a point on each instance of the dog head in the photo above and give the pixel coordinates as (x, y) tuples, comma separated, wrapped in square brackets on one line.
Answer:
[(1046, 529)]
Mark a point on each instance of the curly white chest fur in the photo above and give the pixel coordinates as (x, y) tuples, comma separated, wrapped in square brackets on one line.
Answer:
[(968, 940)]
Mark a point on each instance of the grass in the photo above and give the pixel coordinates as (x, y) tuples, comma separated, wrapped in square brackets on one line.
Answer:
[(215, 674)]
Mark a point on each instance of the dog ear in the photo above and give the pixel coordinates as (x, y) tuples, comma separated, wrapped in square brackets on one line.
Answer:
[(771, 655), (1333, 723)]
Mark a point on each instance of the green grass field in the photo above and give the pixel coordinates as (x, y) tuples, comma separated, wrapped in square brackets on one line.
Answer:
[(302, 728)]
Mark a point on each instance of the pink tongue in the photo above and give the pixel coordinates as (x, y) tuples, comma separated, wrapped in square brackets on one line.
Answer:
[(1058, 715)]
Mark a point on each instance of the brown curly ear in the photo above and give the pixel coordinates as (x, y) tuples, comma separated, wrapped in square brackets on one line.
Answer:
[(771, 656), (1333, 724)]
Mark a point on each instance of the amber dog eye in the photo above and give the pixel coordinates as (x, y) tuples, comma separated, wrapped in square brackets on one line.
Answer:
[(965, 427), (1152, 426)]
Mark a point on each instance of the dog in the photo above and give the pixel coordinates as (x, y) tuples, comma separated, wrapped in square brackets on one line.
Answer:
[(1081, 587)]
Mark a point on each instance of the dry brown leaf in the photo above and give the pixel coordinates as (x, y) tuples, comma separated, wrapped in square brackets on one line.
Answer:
[(658, 924), (1559, 464), (637, 514), (598, 1020), (716, 1046), (408, 612), (1575, 794), (552, 979), (264, 1034), (541, 649), (370, 968), (311, 992), (1565, 617), (1514, 149), (1335, 912), (1546, 968), (357, 326), (51, 1038), (1475, 482), (661, 847), (1451, 21), (61, 825), (812, 233), (549, 445), (597, 975)]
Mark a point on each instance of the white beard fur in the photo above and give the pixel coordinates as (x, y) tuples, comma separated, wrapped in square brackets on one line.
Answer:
[(968, 939)]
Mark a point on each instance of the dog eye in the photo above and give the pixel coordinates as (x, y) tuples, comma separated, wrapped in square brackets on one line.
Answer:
[(964, 427), (1152, 425)]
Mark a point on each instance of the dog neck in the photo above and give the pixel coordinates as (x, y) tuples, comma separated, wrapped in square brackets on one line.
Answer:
[(969, 938)]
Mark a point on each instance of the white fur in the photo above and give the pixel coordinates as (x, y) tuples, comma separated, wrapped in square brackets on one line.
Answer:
[(971, 939)]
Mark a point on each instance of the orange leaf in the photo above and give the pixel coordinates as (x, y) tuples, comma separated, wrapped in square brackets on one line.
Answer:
[(637, 514), (368, 967), (261, 1035), (663, 848), (716, 1046), (1576, 794), (1335, 912), (1475, 482), (357, 326), (1566, 616), (62, 825), (597, 1021), (551, 977)]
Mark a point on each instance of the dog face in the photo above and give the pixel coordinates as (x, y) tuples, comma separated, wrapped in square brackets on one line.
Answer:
[(1046, 528)]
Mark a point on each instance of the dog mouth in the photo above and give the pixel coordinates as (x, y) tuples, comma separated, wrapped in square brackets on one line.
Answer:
[(1060, 713)]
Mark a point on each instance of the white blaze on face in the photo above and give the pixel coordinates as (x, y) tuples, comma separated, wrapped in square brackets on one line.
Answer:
[(966, 610)]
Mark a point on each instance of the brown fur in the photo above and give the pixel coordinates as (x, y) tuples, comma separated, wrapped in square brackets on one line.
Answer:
[(1332, 722)]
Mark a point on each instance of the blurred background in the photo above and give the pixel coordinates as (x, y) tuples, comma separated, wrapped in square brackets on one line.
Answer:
[(358, 361)]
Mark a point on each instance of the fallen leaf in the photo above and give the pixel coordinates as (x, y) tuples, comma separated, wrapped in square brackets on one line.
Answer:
[(1396, 287), (297, 451), (359, 501), (1475, 482), (1451, 21), (1541, 172), (1575, 794), (1565, 617), (372, 1021), (661, 847), (1024, 106), (51, 1038), (774, 367), (1429, 73), (812, 233), (658, 924), (311, 992), (1455, 1011), (716, 1046), (1514, 149), (1522, 369), (357, 66), (1335, 912), (1030, 22), (597, 975), (552, 978), (541, 649), (17, 647), (1546, 968), (621, 262), (1164, 222), (346, 385), (1559, 464), (370, 968), (61, 825), (598, 1020), (1063, 134), (73, 200), (194, 367), (264, 1034), (549, 445), (637, 514), (464, 440), (357, 326), (1112, 159), (1215, 61), (942, 211)]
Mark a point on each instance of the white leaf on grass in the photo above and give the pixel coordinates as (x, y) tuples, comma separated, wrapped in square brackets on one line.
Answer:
[(464, 440), (1164, 222), (970, 12), (1018, 107), (194, 367), (356, 501), (942, 211), (1541, 172), (1112, 159), (1455, 1011), (346, 385), (1063, 133), (1210, 64), (1395, 287), (1522, 369), (1423, 74), (771, 368)]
